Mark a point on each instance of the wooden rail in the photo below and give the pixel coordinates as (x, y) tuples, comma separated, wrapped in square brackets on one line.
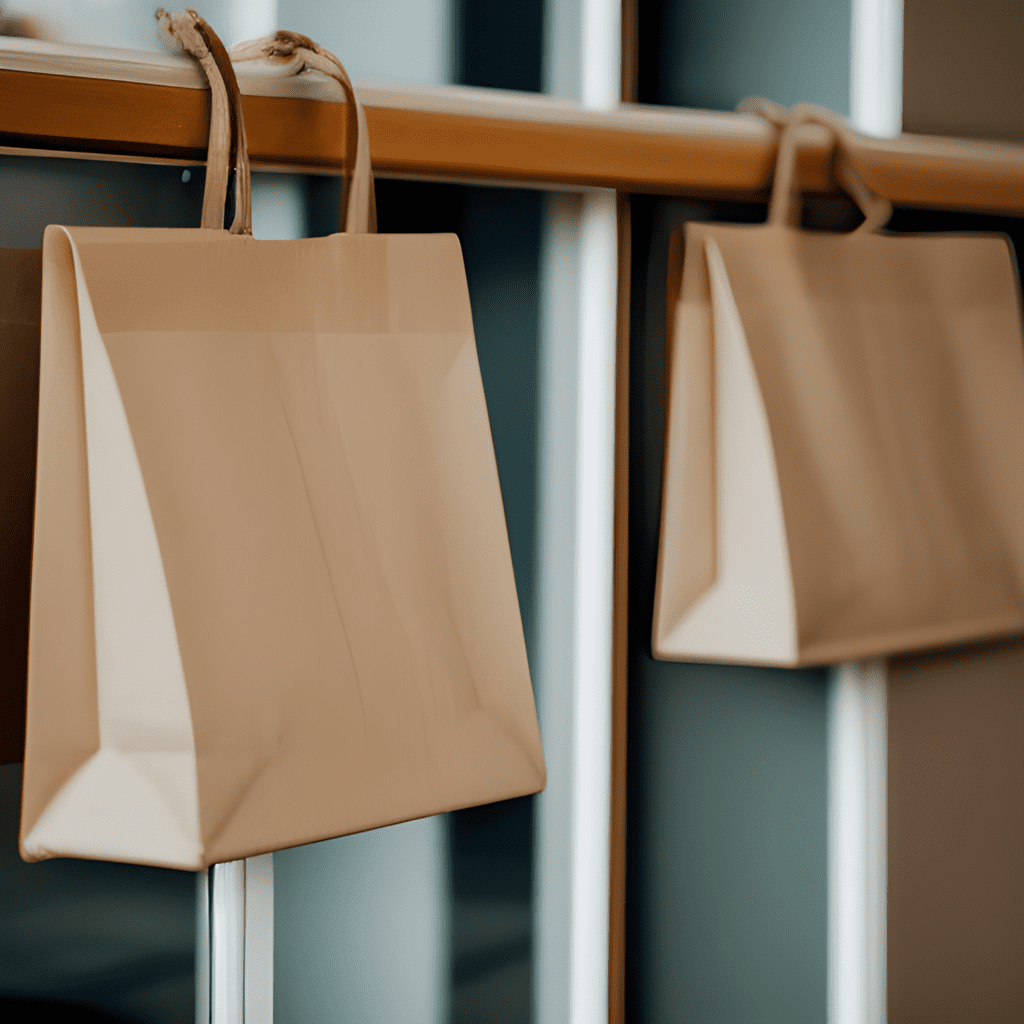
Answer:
[(106, 103)]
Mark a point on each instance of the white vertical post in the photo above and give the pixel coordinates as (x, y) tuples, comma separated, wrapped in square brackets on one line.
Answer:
[(235, 942), (203, 947), (227, 943), (259, 939), (857, 816), (556, 559), (249, 19), (876, 66), (857, 843), (592, 634), (575, 548)]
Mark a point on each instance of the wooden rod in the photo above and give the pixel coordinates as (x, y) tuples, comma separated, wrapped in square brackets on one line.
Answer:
[(535, 140)]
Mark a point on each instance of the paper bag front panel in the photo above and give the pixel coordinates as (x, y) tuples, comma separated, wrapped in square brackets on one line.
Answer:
[(313, 439), (892, 375), (893, 372)]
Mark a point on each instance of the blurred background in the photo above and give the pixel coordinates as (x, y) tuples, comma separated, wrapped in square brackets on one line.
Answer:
[(436, 920)]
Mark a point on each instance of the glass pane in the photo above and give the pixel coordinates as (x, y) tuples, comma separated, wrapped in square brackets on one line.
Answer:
[(714, 53), (396, 40), (126, 23)]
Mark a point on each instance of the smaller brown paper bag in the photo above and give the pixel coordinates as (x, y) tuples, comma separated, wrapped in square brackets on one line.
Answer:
[(843, 468)]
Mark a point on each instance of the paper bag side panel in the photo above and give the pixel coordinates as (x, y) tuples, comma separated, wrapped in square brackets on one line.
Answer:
[(687, 563), (748, 614), (20, 298), (892, 374), (135, 799), (62, 729)]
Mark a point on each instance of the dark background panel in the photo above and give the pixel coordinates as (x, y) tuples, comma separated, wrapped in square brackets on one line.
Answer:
[(712, 55), (499, 45), (113, 939)]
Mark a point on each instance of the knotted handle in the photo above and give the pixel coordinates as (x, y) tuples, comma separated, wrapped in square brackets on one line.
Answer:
[(293, 53), (785, 202), (226, 150)]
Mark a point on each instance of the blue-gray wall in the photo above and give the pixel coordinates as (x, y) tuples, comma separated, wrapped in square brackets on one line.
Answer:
[(714, 54)]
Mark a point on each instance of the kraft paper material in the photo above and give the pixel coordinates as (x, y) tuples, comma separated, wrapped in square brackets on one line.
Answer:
[(273, 597), (272, 593), (843, 449), (846, 416)]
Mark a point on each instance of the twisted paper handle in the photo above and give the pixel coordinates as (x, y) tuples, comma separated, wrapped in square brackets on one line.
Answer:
[(785, 201), (293, 53), (227, 147)]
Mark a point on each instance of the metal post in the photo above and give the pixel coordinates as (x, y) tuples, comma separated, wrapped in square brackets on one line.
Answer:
[(227, 943), (576, 485), (259, 939), (235, 942), (857, 871), (857, 836), (203, 947)]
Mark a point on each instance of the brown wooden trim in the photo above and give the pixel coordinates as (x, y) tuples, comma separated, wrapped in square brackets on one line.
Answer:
[(630, 32), (630, 53), (955, 932), (102, 116), (620, 632), (94, 115)]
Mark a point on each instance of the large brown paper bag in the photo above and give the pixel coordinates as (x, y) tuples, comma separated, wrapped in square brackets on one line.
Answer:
[(20, 282), (843, 468), (273, 598)]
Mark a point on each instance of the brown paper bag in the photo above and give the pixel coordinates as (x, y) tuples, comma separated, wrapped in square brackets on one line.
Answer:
[(843, 452), (273, 598), (20, 282)]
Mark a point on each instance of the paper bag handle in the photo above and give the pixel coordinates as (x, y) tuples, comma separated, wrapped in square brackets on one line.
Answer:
[(226, 150), (784, 208), (292, 53)]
